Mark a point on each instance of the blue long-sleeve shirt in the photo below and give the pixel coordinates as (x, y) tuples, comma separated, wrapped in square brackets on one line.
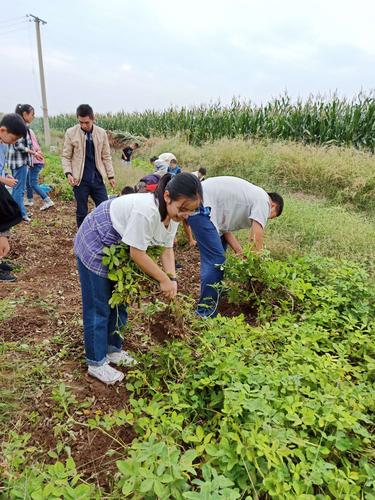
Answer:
[(3, 158)]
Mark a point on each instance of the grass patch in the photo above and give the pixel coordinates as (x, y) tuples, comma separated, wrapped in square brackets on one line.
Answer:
[(309, 226), (342, 175), (7, 309)]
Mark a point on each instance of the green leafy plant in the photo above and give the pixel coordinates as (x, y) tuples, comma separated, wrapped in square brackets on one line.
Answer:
[(131, 283), (284, 409)]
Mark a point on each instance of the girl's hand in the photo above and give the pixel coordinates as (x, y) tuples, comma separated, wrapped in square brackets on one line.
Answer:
[(169, 288), (39, 156), (9, 181)]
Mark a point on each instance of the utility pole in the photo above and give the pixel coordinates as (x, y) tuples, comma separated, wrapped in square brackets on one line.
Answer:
[(47, 133)]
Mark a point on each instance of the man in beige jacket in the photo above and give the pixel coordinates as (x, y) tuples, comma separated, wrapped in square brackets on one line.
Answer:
[(87, 161)]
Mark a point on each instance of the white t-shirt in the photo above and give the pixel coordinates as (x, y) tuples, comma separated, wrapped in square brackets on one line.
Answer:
[(235, 203), (197, 174), (136, 218)]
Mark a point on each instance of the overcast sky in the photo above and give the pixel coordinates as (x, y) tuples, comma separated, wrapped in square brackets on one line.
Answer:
[(141, 54)]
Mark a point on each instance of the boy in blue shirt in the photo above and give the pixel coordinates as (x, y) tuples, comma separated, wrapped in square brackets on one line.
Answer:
[(174, 168)]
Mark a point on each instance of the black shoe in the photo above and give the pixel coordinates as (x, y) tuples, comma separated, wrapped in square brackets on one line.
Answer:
[(4, 276), (4, 266), (178, 265)]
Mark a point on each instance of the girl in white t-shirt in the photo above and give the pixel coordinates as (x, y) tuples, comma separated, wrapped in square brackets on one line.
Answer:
[(140, 221)]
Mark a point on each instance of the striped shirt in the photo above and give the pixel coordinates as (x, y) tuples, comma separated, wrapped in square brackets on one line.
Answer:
[(17, 155)]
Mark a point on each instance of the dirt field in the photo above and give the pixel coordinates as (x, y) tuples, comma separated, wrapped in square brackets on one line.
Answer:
[(45, 317)]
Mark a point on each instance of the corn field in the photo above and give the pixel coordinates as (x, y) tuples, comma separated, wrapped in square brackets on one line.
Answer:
[(317, 120)]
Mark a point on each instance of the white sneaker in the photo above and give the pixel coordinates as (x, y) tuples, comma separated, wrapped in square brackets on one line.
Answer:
[(29, 203), (47, 204), (106, 374), (121, 358), (26, 219)]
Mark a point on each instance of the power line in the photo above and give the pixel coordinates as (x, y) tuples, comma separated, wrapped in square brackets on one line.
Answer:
[(12, 25), (12, 21), (21, 28)]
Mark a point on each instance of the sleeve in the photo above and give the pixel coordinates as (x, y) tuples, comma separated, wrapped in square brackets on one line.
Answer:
[(107, 158), (138, 231), (169, 242), (259, 212), (67, 154), (35, 141), (20, 145)]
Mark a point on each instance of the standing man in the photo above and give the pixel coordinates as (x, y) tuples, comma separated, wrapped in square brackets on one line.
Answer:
[(229, 203), (87, 161)]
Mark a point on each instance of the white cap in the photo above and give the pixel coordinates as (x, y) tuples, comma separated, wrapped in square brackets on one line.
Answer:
[(167, 157)]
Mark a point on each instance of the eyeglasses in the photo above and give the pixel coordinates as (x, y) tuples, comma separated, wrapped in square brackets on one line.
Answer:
[(189, 212)]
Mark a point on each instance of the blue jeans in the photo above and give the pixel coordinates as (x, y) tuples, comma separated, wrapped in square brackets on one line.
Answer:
[(18, 192), (96, 190), (212, 253), (100, 321), (32, 183)]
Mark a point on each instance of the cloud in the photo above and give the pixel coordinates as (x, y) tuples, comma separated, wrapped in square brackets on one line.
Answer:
[(125, 67), (147, 54)]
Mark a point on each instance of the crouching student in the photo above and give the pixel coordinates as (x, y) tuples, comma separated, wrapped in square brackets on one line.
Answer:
[(230, 203), (140, 221), (12, 128)]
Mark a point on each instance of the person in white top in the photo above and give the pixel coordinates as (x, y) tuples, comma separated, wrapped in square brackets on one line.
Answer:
[(200, 173), (230, 203), (139, 221)]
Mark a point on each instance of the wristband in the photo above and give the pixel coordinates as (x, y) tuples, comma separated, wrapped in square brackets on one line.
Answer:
[(173, 278)]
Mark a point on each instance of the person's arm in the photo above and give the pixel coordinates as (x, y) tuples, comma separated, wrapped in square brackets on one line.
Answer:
[(4, 245), (149, 266), (36, 147), (66, 159), (107, 161), (23, 148), (189, 233), (20, 146), (8, 180), (168, 262), (233, 242), (257, 235)]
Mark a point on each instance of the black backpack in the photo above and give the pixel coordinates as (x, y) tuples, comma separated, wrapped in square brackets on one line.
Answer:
[(10, 213)]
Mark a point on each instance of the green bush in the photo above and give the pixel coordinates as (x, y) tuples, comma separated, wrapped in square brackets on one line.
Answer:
[(285, 409), (53, 175)]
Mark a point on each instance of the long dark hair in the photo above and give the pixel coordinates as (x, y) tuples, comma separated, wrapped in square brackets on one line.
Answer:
[(23, 108), (181, 185)]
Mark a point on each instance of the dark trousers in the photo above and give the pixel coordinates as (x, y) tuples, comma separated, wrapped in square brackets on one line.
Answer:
[(96, 190)]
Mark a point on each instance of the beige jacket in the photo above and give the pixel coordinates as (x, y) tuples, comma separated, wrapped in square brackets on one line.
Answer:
[(74, 152)]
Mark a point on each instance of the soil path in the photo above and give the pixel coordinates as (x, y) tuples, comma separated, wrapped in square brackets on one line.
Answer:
[(46, 311)]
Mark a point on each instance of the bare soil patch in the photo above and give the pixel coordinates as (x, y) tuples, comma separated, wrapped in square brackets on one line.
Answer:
[(48, 312)]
